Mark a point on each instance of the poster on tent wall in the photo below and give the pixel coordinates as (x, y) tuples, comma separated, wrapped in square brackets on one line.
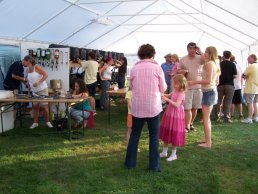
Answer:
[(8, 55)]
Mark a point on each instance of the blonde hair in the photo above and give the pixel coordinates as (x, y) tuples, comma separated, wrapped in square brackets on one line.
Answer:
[(181, 81), (176, 57), (212, 53)]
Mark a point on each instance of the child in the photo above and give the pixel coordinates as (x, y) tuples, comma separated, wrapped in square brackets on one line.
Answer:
[(175, 61), (128, 97), (77, 114), (172, 127)]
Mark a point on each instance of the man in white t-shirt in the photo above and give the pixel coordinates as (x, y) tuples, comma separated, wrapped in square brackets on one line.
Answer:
[(237, 98)]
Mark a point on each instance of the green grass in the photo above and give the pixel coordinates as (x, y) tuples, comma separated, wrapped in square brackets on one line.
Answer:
[(49, 163)]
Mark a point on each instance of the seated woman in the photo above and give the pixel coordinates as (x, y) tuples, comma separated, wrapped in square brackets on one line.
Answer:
[(80, 112)]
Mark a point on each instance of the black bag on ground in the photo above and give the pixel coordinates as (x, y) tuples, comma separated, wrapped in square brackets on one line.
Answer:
[(60, 124)]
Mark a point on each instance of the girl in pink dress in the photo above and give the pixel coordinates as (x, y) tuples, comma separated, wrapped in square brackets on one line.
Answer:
[(172, 127)]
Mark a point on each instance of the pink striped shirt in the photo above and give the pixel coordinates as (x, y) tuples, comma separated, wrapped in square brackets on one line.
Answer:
[(148, 82)]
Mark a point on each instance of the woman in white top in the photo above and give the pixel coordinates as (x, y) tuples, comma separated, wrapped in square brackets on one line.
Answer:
[(105, 76), (37, 83), (209, 78)]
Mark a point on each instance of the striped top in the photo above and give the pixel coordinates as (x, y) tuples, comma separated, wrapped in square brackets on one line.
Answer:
[(147, 82)]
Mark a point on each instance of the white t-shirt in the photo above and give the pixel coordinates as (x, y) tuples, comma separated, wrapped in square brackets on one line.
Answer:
[(237, 80), (75, 70)]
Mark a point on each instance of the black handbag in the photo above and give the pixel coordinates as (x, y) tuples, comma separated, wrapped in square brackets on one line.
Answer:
[(60, 124)]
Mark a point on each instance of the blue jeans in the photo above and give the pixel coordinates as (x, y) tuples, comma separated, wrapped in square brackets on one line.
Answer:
[(78, 115), (104, 97), (131, 154)]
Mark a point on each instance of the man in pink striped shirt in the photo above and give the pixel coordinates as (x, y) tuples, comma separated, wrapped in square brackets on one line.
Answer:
[(148, 83)]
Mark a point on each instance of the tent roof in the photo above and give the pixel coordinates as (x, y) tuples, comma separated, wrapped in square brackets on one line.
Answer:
[(123, 25)]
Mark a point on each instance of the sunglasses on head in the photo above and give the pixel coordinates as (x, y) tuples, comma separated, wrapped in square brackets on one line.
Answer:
[(192, 46)]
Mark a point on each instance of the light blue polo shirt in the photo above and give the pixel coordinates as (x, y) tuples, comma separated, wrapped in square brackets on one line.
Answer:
[(167, 68)]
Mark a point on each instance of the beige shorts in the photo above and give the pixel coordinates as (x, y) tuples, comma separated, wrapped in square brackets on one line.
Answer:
[(41, 92), (193, 99), (251, 98)]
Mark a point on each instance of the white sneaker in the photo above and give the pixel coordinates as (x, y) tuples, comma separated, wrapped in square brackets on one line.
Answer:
[(163, 154), (49, 125), (34, 125), (256, 119), (247, 120), (171, 158)]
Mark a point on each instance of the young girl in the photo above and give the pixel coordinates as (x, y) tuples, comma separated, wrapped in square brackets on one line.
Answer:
[(172, 127), (209, 78), (76, 112)]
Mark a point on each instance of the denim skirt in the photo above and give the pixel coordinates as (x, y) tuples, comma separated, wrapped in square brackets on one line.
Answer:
[(208, 98)]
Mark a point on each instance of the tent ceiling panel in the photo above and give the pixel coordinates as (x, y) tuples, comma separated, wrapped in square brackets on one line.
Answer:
[(228, 39), (170, 28), (191, 18), (242, 8), (156, 8), (86, 35), (169, 19), (221, 46), (108, 1), (127, 8), (74, 19), (101, 8), (229, 31), (109, 38), (15, 21), (177, 5), (119, 19), (229, 19), (140, 19)]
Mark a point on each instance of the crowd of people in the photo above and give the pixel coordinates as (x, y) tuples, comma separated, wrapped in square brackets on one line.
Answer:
[(197, 80), (83, 82)]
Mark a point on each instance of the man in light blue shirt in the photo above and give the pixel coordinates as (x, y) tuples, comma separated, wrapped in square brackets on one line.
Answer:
[(167, 68)]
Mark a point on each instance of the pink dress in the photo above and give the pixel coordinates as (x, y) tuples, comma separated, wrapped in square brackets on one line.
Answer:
[(172, 127)]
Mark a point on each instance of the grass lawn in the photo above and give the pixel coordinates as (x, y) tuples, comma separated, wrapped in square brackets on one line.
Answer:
[(49, 163)]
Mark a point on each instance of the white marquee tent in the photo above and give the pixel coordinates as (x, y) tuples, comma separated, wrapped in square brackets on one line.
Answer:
[(123, 25)]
